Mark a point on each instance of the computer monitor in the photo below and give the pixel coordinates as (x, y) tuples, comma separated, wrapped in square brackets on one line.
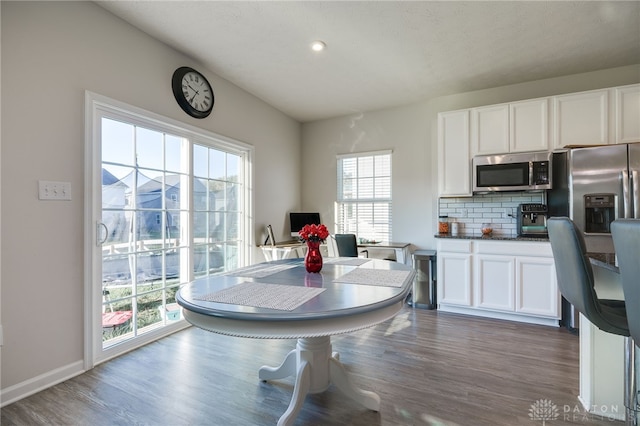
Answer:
[(299, 220)]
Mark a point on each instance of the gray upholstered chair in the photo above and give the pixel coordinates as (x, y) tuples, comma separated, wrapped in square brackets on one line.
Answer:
[(575, 278), (626, 239), (348, 246), (576, 283)]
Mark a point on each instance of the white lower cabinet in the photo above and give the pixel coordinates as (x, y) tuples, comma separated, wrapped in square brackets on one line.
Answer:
[(536, 287), (454, 268), (494, 282), (513, 280)]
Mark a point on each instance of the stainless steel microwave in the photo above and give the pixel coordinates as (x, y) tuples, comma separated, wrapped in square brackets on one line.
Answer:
[(526, 171)]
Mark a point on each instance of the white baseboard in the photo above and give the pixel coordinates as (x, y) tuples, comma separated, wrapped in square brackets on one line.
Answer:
[(529, 319), (39, 383)]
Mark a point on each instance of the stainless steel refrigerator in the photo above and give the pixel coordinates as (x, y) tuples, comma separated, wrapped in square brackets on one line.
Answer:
[(595, 186)]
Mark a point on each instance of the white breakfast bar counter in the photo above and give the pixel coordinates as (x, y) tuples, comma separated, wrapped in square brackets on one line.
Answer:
[(280, 300)]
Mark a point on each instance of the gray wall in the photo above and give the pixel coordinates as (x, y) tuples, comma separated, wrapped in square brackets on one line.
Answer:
[(411, 131), (51, 53)]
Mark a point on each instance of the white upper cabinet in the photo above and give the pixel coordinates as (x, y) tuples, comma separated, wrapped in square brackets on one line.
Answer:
[(529, 125), (596, 117), (454, 161), (490, 130), (514, 127), (581, 119), (628, 113)]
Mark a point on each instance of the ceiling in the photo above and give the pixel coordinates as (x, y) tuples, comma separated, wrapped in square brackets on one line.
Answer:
[(387, 53)]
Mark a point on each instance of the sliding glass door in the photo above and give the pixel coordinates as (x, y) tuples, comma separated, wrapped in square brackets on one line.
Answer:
[(169, 205), (145, 193)]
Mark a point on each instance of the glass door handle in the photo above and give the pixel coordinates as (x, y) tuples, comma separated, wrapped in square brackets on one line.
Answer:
[(99, 227)]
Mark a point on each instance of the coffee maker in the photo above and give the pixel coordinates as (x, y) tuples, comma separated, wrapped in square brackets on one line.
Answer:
[(532, 220)]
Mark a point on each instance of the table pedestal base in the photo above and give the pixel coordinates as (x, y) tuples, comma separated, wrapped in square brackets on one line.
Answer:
[(315, 368)]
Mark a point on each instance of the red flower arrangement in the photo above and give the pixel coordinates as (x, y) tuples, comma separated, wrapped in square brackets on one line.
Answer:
[(313, 232)]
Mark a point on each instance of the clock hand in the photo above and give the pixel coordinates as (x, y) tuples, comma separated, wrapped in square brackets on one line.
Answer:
[(192, 89)]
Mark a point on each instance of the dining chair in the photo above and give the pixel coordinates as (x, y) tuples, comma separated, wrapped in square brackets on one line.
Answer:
[(577, 285), (626, 240), (348, 246)]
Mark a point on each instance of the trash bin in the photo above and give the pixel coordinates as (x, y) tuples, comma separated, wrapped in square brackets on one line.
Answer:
[(424, 285)]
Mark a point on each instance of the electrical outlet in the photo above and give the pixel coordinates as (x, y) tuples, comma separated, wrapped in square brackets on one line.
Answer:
[(48, 190)]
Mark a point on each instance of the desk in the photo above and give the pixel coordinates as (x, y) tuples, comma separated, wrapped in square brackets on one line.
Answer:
[(340, 307), (280, 251), (401, 249)]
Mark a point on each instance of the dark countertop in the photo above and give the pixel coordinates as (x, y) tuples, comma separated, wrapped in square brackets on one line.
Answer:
[(604, 260), (492, 237)]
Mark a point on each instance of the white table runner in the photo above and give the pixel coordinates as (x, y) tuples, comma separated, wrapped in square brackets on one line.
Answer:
[(263, 295), (377, 277)]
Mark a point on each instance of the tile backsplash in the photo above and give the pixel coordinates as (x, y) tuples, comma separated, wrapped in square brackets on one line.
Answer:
[(498, 209)]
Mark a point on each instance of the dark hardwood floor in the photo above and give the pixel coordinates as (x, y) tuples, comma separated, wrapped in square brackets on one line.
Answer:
[(429, 368)]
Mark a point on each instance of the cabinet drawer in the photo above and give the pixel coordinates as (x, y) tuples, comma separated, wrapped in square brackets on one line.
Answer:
[(454, 246), (515, 248)]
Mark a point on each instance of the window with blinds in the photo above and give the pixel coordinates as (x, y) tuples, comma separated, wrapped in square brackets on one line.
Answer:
[(364, 195)]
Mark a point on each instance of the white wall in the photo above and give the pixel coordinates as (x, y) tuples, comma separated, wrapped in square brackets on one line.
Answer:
[(402, 129), (51, 53), (411, 132)]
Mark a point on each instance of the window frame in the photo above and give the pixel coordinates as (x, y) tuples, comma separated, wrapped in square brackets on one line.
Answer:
[(98, 107), (342, 202)]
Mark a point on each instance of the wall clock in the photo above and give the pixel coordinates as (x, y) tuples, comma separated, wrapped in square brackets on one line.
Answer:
[(192, 92)]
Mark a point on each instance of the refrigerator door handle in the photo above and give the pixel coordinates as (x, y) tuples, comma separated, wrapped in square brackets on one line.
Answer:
[(635, 186), (625, 194)]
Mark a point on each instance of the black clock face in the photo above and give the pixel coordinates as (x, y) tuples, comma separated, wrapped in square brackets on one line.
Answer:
[(192, 92)]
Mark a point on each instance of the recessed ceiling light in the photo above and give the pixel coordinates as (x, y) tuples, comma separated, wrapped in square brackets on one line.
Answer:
[(318, 46)]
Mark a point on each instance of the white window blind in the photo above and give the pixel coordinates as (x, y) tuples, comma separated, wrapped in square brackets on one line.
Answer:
[(364, 195)]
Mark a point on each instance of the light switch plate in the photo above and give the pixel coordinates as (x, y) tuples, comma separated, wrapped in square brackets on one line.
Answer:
[(49, 190)]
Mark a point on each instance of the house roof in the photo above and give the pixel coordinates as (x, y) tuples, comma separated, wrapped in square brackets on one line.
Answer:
[(171, 181), (108, 178)]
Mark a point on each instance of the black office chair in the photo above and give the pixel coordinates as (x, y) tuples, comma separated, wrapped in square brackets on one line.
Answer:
[(348, 246), (576, 283), (626, 239)]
